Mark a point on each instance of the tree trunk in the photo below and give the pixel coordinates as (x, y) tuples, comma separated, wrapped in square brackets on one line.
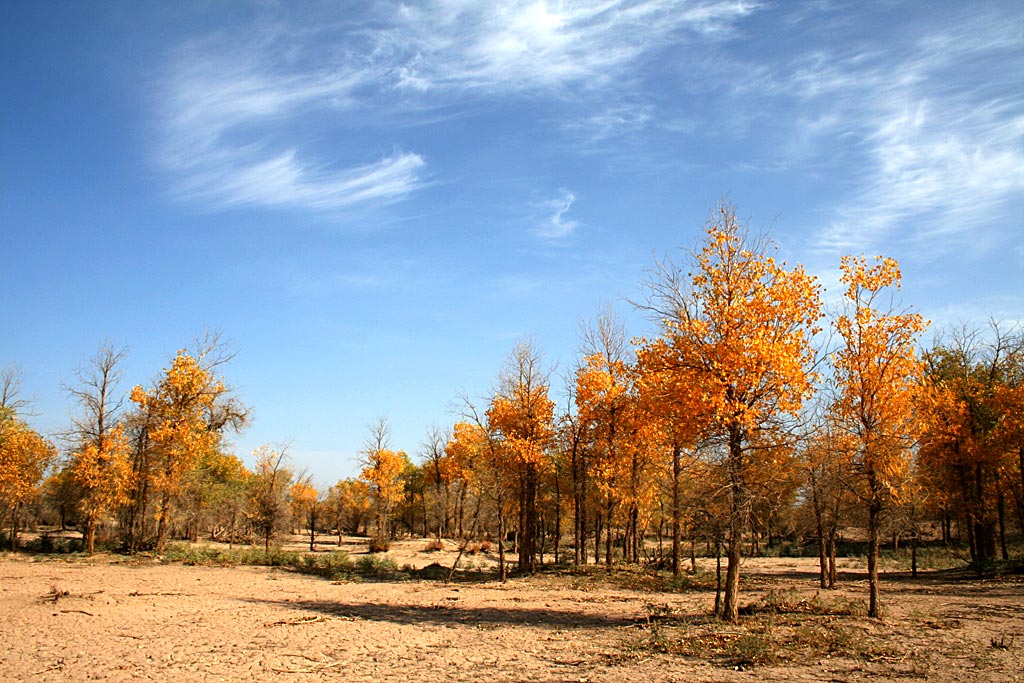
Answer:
[(731, 606), (608, 541), (822, 559), (14, 527), (718, 578), (833, 575), (677, 508), (528, 532), (161, 527), (1001, 511), (89, 536), (874, 512), (312, 528)]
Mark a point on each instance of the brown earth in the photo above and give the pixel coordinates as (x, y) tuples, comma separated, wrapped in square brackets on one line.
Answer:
[(108, 618)]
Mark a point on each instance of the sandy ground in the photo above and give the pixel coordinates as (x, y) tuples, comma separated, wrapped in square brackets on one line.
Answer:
[(110, 619)]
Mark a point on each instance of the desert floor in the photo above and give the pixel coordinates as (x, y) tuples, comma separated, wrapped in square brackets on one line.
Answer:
[(111, 618)]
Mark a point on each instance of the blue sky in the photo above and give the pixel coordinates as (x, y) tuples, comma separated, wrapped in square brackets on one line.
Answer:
[(375, 200)]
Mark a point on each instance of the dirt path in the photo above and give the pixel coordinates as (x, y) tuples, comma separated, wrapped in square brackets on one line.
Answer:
[(110, 620)]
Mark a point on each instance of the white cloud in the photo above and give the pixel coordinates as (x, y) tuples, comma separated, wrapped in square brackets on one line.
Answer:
[(557, 226), (234, 105), (941, 149), (229, 134), (523, 46)]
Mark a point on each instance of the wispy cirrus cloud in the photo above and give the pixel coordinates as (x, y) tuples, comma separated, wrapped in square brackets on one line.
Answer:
[(231, 133), (556, 225), (523, 46), (241, 111), (938, 162)]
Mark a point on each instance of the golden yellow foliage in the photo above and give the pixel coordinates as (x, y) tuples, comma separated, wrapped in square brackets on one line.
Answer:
[(103, 476)]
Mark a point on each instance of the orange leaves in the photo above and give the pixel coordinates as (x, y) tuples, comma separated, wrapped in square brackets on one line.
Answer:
[(179, 408), (383, 472), (103, 474), (522, 415), (24, 457), (877, 370), (739, 343)]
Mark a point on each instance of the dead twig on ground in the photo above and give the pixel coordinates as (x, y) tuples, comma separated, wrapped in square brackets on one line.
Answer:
[(299, 621)]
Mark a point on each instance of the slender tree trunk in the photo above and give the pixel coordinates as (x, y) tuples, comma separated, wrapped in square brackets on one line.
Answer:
[(822, 558), (833, 575), (161, 527), (874, 512), (312, 528), (502, 571), (737, 493), (528, 530), (677, 508), (1001, 510), (558, 519), (718, 577), (608, 541), (14, 527)]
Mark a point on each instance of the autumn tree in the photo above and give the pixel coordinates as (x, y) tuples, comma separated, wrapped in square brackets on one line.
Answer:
[(181, 419), (99, 468), (607, 408), (478, 459), (268, 492), (349, 504), (24, 458), (877, 375), (824, 467), (522, 416), (101, 473), (736, 333), (970, 445), (382, 471), (306, 503)]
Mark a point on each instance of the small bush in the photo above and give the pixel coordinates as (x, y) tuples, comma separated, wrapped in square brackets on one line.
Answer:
[(375, 565), (433, 546)]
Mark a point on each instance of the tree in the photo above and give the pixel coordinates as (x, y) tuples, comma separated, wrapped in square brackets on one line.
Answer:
[(184, 416), (101, 473), (522, 416), (24, 457), (736, 334), (438, 475), (268, 492), (350, 504), (824, 476), (382, 471), (877, 375), (100, 468), (971, 446), (306, 500)]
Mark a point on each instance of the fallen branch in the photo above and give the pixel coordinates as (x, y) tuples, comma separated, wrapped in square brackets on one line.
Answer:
[(299, 621), (77, 611)]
